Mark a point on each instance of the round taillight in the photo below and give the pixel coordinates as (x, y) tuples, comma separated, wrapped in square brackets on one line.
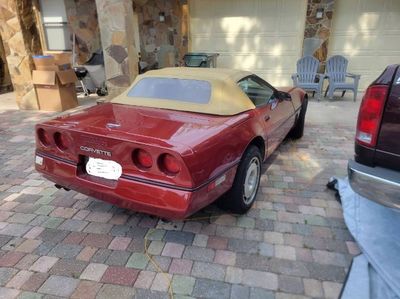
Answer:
[(169, 164), (61, 141), (142, 159), (43, 137)]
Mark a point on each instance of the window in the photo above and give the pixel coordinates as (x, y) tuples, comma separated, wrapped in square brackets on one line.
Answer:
[(55, 25), (258, 91), (184, 90)]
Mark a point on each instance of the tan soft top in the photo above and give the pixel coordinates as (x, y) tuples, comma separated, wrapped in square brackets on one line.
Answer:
[(226, 96)]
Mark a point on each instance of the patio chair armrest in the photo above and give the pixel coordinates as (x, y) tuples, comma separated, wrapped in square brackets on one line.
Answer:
[(294, 78), (351, 75)]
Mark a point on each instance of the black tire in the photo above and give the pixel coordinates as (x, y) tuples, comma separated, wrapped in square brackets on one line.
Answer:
[(298, 129), (235, 199), (101, 92)]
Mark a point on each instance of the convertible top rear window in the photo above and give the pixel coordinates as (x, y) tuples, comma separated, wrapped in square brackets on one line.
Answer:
[(184, 90)]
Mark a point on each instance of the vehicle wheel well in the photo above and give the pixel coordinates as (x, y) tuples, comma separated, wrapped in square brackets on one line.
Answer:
[(260, 143)]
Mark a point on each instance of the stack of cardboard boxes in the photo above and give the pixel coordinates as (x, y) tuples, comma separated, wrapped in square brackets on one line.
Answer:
[(54, 81)]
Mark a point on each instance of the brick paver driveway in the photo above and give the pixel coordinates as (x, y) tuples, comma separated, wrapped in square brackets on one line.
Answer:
[(292, 243)]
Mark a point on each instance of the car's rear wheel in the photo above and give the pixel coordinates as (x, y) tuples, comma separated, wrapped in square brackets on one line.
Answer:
[(242, 195), (298, 130)]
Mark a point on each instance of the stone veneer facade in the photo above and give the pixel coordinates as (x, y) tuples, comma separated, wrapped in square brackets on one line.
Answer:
[(162, 43), (116, 24), (109, 24), (82, 18), (319, 28), (21, 40), (5, 79)]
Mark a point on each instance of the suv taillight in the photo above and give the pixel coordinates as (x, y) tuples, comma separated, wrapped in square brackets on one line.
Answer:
[(370, 114)]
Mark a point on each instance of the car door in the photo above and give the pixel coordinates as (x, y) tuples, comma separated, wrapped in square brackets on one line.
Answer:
[(274, 113)]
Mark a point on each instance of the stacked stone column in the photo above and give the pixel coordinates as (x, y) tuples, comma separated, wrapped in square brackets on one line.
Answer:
[(319, 28), (117, 37), (16, 27)]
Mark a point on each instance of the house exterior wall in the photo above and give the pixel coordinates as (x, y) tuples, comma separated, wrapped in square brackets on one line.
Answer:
[(319, 29), (116, 22), (5, 79), (367, 33), (21, 41), (82, 18), (162, 43), (264, 37)]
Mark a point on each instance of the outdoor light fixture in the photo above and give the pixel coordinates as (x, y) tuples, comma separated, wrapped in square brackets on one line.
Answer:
[(320, 13), (162, 16)]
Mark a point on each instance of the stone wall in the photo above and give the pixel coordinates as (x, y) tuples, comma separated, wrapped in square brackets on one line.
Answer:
[(20, 39), (317, 30), (28, 26), (116, 22), (5, 79), (82, 18), (162, 43)]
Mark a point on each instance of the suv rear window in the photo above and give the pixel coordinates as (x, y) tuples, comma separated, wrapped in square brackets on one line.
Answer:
[(184, 90)]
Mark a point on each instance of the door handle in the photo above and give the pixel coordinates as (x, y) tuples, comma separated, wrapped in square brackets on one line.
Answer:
[(267, 117)]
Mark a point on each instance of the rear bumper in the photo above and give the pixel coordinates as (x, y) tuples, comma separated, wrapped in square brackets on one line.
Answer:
[(165, 202), (375, 183)]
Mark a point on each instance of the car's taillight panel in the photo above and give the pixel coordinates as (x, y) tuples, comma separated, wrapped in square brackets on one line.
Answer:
[(142, 159), (169, 164), (61, 141), (43, 137), (370, 115), (137, 160)]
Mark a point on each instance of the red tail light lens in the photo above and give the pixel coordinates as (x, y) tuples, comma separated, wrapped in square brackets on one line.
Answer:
[(43, 137), (169, 164), (61, 141), (370, 114), (142, 159)]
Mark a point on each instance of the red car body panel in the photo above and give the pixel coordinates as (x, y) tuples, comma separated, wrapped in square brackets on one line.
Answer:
[(208, 147)]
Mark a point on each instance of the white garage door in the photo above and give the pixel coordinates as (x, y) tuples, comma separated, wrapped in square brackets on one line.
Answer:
[(263, 36), (367, 32)]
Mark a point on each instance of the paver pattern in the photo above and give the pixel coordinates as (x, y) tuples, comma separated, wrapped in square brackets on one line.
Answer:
[(292, 244)]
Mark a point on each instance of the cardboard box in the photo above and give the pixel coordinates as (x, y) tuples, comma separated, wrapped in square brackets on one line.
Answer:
[(43, 62), (52, 62), (61, 58), (54, 67), (55, 89), (54, 81)]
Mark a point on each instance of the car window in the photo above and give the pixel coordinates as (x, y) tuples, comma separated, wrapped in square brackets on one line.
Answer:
[(258, 92), (185, 90)]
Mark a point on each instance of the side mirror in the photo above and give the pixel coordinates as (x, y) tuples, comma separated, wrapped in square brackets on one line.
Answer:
[(283, 95)]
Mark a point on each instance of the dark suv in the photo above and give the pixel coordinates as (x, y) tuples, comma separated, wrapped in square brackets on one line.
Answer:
[(375, 173)]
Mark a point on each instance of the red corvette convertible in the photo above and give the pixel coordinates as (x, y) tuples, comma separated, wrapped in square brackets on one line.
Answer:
[(174, 142)]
